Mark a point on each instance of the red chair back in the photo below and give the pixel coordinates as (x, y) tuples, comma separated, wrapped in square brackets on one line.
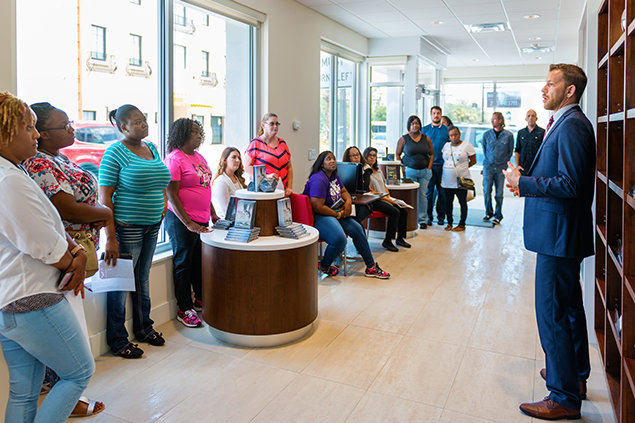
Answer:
[(301, 209)]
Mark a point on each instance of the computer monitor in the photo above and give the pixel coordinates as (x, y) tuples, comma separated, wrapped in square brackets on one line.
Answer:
[(351, 176)]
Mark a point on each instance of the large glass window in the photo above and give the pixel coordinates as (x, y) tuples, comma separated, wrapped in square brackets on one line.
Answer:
[(203, 89), (338, 78), (386, 107), (99, 64)]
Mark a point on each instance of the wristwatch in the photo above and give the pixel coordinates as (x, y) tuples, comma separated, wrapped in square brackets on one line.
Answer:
[(76, 249)]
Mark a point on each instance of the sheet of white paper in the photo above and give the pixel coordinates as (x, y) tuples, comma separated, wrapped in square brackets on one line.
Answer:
[(109, 278), (77, 305)]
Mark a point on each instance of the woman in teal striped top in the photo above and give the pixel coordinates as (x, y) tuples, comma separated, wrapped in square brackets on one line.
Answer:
[(132, 182)]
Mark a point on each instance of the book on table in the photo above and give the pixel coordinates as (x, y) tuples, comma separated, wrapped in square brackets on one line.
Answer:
[(242, 235), (285, 217), (245, 214), (230, 215), (295, 230), (392, 175), (259, 174)]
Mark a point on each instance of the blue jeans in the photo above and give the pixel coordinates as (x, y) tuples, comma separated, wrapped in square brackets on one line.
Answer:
[(436, 192), (423, 177), (493, 176), (31, 341), (334, 231), (186, 258), (140, 242)]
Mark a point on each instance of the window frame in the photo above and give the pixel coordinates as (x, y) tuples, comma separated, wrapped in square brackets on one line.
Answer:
[(333, 99), (137, 50), (100, 44)]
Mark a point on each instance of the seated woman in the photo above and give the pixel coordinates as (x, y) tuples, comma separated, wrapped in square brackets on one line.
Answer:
[(73, 192), (353, 155), (458, 157), (229, 179), (325, 189), (397, 216), (189, 211)]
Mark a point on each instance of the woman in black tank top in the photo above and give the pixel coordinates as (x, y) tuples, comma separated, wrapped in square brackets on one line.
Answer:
[(418, 156)]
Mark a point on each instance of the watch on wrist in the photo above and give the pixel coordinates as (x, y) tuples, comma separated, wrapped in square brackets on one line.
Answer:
[(76, 249)]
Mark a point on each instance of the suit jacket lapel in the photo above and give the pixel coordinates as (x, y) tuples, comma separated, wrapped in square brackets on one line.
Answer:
[(551, 130)]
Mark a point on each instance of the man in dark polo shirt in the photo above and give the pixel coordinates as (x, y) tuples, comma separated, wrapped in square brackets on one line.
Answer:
[(528, 141)]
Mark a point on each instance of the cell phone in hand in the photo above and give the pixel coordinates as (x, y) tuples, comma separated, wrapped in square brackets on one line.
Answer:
[(64, 279)]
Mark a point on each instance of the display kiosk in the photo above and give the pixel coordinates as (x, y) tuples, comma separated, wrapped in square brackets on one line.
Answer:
[(261, 293)]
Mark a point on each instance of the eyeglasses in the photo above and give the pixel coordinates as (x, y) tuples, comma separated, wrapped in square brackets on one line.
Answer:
[(372, 155), (272, 124), (66, 127)]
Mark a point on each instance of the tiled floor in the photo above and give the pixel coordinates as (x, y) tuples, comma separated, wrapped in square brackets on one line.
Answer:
[(450, 338)]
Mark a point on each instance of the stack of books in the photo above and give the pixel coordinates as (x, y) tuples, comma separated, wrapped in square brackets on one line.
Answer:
[(294, 230), (243, 229), (242, 235), (230, 215), (286, 227)]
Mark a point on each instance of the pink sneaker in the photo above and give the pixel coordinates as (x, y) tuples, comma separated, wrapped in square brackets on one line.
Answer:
[(198, 305), (376, 272), (189, 318)]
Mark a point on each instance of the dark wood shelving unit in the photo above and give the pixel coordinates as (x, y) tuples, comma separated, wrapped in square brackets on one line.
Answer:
[(615, 205)]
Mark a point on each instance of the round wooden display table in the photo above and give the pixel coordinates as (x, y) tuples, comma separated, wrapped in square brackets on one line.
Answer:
[(407, 193), (266, 209), (262, 293)]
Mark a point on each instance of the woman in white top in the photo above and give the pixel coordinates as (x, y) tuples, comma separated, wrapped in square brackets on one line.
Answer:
[(37, 323), (229, 179), (397, 216), (458, 157)]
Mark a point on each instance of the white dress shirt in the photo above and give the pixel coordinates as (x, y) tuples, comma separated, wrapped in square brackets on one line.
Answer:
[(32, 237)]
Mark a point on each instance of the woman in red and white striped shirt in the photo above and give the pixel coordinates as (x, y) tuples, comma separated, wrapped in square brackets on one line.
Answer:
[(270, 150)]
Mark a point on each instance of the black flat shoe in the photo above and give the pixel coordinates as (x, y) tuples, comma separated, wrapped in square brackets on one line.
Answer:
[(423, 226), (402, 243), (130, 351), (389, 246), (155, 338)]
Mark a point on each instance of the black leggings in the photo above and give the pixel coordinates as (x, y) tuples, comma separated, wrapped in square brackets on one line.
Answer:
[(397, 218), (461, 194)]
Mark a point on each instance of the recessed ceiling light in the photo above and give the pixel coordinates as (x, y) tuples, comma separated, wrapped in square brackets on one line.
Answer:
[(487, 27), (475, 60), (437, 22), (539, 58), (534, 38), (531, 16), (535, 48)]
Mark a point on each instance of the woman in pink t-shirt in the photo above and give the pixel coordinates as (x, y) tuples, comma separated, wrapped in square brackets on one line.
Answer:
[(189, 211)]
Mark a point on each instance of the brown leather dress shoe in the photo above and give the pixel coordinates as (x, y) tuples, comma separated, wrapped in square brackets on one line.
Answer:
[(581, 385), (549, 410)]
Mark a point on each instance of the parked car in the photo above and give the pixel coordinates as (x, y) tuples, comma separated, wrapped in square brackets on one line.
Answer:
[(91, 140), (473, 133)]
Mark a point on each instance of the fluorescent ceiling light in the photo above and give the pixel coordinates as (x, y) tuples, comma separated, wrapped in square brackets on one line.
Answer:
[(535, 48), (487, 27)]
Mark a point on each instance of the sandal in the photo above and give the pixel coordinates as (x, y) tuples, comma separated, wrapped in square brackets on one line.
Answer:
[(130, 351), (155, 338), (46, 387), (92, 408)]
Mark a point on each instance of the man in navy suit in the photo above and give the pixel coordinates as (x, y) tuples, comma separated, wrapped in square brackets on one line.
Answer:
[(558, 226)]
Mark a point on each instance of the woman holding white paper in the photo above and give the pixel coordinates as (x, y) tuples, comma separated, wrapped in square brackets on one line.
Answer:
[(37, 323)]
